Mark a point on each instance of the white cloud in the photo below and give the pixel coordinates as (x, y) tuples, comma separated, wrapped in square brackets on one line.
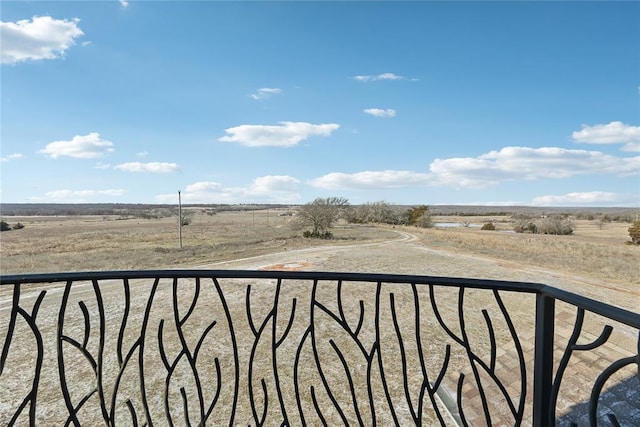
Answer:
[(383, 76), (43, 37), (524, 163), (371, 180), (612, 133), (379, 112), (78, 196), (265, 92), (282, 185), (124, 3), (14, 156), (493, 168), (142, 154), (89, 146), (590, 198), (203, 187), (198, 192), (286, 134), (151, 167), (270, 188)]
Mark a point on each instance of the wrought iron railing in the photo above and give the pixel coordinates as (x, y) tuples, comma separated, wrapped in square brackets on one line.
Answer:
[(229, 347)]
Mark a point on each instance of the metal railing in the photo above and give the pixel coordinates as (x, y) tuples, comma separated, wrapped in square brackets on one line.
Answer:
[(225, 347)]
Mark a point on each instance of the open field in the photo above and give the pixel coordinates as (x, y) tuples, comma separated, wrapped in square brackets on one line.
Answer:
[(595, 261), (80, 243), (111, 242), (599, 251), (597, 258)]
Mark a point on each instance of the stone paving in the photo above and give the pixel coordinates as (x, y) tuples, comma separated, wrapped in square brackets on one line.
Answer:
[(620, 395)]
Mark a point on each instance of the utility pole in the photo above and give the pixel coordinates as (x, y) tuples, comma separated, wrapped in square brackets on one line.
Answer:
[(180, 219)]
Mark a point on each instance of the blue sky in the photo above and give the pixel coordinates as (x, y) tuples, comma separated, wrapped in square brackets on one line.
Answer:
[(496, 103)]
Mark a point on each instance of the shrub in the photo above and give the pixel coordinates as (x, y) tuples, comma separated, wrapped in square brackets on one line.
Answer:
[(317, 234), (634, 232), (187, 218), (419, 216), (525, 226), (488, 226), (556, 225), (4, 226)]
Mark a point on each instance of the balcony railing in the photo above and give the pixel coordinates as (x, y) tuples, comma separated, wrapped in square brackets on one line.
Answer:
[(227, 347)]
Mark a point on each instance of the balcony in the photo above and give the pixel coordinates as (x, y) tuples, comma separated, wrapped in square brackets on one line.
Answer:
[(229, 347)]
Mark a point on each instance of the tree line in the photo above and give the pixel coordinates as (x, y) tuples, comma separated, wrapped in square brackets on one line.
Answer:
[(321, 214)]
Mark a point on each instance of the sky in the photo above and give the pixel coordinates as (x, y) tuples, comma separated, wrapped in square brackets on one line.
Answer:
[(484, 103)]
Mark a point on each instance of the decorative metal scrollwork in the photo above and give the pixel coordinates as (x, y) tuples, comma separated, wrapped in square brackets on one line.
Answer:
[(280, 348)]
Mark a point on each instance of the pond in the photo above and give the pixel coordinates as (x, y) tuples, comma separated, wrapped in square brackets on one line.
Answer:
[(454, 224)]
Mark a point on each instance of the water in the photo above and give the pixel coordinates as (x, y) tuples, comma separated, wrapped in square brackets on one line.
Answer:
[(454, 224)]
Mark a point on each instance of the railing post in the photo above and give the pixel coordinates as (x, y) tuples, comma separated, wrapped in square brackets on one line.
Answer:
[(543, 414)]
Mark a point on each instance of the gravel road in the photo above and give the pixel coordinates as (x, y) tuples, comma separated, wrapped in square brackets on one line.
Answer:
[(405, 255)]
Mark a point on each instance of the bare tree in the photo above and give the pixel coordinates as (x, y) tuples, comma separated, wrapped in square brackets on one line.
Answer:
[(376, 212), (321, 214)]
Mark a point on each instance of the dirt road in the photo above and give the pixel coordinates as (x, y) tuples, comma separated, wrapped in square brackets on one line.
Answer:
[(406, 255)]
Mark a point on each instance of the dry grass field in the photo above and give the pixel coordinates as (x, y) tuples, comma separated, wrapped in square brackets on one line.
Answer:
[(596, 259), (596, 256), (81, 243), (598, 251)]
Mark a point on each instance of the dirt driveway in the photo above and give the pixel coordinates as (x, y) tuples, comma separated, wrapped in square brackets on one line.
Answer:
[(405, 255)]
